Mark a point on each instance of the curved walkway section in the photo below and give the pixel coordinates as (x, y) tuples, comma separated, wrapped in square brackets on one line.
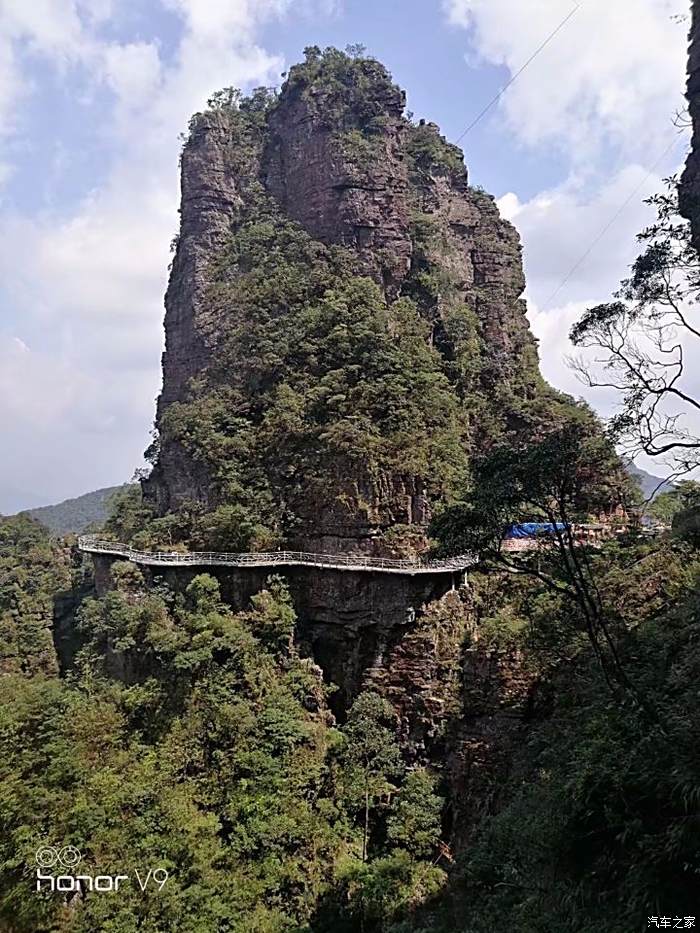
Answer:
[(357, 563)]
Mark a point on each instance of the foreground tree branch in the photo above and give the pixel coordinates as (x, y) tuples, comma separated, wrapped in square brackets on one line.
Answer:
[(643, 339), (572, 474)]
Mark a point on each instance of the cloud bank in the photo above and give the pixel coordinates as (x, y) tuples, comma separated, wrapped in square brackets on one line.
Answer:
[(611, 78), (83, 282), (603, 94)]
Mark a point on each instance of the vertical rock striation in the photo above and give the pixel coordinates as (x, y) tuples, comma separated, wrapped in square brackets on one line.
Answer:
[(690, 181), (334, 155), (308, 167), (209, 201)]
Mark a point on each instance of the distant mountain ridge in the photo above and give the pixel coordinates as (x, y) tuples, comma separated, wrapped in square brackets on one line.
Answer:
[(652, 486), (73, 516)]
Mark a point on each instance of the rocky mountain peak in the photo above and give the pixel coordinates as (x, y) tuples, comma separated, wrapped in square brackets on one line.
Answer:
[(343, 320)]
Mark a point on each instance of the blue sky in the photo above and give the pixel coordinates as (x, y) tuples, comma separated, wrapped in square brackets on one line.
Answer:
[(93, 95)]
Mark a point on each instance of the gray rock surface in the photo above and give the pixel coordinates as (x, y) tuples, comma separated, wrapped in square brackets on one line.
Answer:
[(690, 181)]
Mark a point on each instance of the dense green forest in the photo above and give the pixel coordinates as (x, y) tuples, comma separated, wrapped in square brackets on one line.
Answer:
[(195, 739)]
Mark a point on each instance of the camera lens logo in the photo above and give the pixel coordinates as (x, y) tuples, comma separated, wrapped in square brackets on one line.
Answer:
[(49, 856)]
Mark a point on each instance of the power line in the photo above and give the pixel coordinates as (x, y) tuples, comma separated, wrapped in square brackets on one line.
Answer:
[(518, 73), (608, 225)]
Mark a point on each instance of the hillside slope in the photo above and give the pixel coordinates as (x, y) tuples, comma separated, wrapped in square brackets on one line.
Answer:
[(73, 516)]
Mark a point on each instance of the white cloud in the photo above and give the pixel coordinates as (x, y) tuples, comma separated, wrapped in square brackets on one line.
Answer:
[(613, 75), (557, 227), (10, 85), (602, 94), (560, 226), (96, 11), (52, 27), (85, 284), (213, 20), (65, 428), (133, 71), (552, 330), (48, 29)]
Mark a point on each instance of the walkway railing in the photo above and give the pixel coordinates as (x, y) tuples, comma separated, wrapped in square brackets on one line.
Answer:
[(94, 545)]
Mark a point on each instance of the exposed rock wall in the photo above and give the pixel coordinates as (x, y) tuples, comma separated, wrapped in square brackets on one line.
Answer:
[(492, 723), (306, 167), (420, 671), (209, 202), (690, 182), (355, 517), (400, 634), (480, 254), (342, 164)]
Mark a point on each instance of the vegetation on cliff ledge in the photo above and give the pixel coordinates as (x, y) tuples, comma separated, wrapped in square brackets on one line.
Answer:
[(317, 381)]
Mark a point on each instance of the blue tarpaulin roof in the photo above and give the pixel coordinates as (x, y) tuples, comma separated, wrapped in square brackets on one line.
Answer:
[(533, 529)]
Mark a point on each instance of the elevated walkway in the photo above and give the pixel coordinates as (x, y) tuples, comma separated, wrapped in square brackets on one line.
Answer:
[(354, 563)]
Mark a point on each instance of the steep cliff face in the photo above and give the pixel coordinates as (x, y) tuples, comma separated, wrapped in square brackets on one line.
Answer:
[(311, 171), (477, 258), (209, 201), (343, 321), (400, 635), (690, 182)]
